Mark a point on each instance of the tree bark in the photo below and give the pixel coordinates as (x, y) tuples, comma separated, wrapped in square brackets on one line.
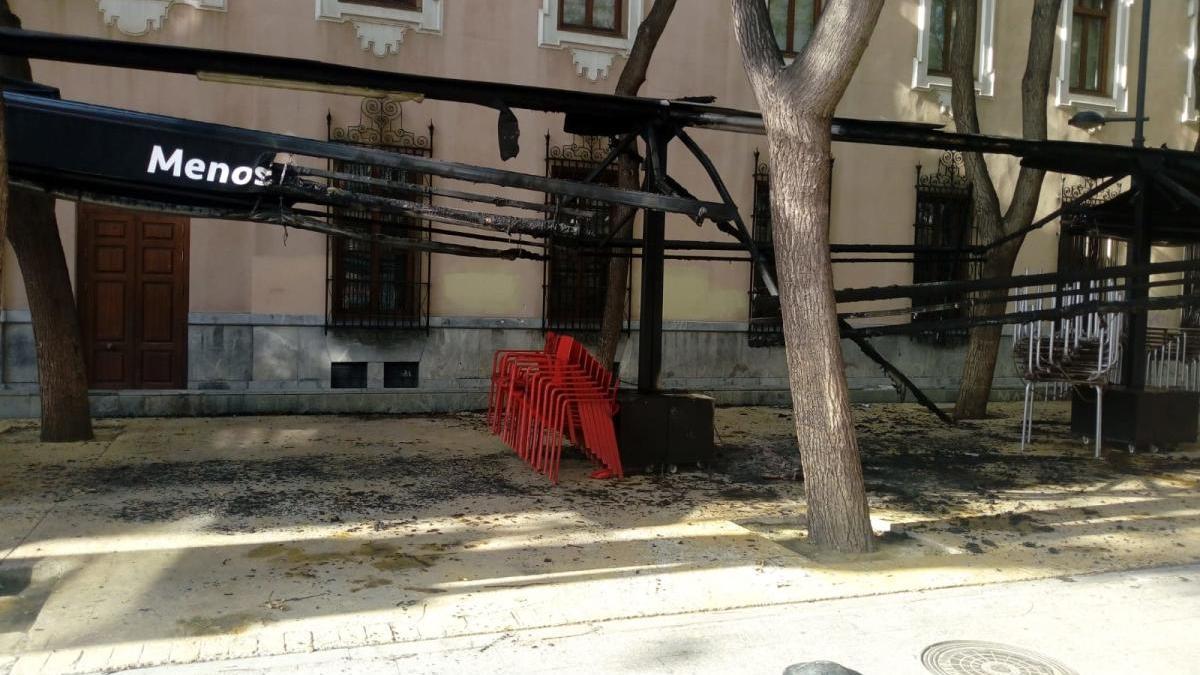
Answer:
[(983, 343), (633, 76), (797, 103), (32, 229)]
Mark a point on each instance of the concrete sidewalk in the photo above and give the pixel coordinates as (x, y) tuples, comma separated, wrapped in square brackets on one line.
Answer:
[(175, 542), (1111, 624)]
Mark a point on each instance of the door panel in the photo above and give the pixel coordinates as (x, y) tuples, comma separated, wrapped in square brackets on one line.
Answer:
[(133, 298)]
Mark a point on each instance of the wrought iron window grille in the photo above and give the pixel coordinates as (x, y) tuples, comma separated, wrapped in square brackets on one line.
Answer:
[(765, 321), (1081, 246), (575, 277), (944, 232), (369, 285)]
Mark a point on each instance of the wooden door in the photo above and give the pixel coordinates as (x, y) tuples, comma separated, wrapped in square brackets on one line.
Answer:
[(133, 298)]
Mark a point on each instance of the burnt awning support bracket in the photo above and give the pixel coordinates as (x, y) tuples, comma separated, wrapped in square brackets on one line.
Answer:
[(742, 233)]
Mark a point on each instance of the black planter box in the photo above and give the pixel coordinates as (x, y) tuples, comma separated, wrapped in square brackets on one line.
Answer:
[(664, 430), (1142, 418)]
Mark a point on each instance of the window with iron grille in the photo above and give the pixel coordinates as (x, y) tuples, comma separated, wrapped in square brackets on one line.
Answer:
[(575, 277), (944, 233), (371, 285), (766, 323), (1081, 247)]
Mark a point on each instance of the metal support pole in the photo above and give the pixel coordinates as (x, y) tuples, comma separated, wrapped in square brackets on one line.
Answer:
[(1139, 244), (1139, 128), (654, 226), (1134, 375)]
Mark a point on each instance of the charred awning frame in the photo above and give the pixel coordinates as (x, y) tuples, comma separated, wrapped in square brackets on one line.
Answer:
[(655, 121)]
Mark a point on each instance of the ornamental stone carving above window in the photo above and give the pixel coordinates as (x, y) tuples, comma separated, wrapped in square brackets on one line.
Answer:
[(381, 25), (139, 17)]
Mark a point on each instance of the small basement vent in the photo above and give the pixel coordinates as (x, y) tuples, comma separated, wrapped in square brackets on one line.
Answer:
[(348, 375), (400, 375)]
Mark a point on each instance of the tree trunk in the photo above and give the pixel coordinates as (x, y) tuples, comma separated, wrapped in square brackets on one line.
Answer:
[(797, 102), (33, 231), (633, 76), (618, 275), (833, 483), (983, 344)]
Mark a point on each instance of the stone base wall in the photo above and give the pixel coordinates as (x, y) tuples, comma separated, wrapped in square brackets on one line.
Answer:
[(242, 364)]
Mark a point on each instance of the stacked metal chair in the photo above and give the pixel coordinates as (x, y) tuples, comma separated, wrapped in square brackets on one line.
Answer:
[(1173, 358), (1074, 351), (539, 399)]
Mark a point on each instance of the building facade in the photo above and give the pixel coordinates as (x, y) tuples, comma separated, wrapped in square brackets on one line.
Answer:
[(206, 317)]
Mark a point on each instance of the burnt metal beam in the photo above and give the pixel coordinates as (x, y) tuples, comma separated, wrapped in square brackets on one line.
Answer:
[(869, 350), (618, 114), (1083, 308), (1056, 213), (654, 225), (939, 288), (335, 196), (287, 218), (743, 232), (400, 187), (66, 113)]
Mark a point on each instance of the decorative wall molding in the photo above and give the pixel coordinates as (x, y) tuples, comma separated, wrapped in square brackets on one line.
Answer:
[(1118, 67), (591, 53), (985, 69), (139, 17), (1190, 115), (381, 30)]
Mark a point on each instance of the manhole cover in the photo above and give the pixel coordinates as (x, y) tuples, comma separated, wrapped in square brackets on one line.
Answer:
[(968, 657)]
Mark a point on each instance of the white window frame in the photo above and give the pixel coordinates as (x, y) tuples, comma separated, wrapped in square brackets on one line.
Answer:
[(1190, 114), (381, 30), (1118, 67), (985, 68), (139, 17), (592, 53)]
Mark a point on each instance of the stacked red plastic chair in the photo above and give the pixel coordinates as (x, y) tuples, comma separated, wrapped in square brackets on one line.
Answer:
[(540, 399)]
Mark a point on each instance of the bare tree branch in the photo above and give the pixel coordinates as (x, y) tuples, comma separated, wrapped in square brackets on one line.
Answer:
[(966, 113), (760, 51), (633, 76), (834, 49), (1035, 89)]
